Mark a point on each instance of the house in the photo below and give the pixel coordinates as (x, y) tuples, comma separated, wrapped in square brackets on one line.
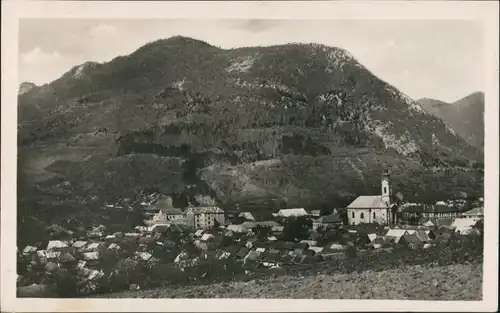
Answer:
[(395, 235), (237, 228), (144, 256), (242, 253), (206, 237), (377, 243), (373, 209), (204, 217), (110, 238), (158, 228), (271, 224), (316, 250), (29, 250), (372, 237), (337, 246), (310, 243), (247, 215), (315, 213), (94, 246), (56, 245), (183, 260), (79, 244), (464, 226), (474, 214), (327, 222), (251, 256), (429, 223), (292, 212), (413, 241), (440, 210), (67, 258), (423, 235), (114, 246)]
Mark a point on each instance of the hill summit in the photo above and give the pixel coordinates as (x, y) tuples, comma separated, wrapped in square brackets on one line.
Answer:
[(296, 124)]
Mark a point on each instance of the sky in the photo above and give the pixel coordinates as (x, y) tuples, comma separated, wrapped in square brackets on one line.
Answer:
[(440, 59)]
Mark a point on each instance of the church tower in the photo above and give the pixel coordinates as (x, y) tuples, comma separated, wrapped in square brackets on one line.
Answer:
[(386, 188)]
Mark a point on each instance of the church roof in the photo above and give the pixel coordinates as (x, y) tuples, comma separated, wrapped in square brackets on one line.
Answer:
[(368, 202)]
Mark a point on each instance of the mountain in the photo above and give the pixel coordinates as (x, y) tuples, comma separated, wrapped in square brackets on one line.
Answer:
[(25, 87), (464, 116), (295, 125)]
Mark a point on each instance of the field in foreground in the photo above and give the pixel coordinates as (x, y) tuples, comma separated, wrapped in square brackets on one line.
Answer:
[(454, 282)]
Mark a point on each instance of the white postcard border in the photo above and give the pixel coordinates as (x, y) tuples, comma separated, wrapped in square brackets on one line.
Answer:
[(12, 11)]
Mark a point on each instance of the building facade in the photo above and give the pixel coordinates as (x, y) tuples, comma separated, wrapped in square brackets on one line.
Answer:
[(204, 217), (372, 209)]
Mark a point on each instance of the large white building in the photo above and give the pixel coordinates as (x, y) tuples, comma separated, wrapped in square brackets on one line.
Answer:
[(372, 209), (204, 217)]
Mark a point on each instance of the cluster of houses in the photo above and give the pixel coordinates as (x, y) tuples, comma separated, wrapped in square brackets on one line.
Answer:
[(218, 237)]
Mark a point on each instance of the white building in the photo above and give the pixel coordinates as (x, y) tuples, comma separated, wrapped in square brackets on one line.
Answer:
[(475, 214), (204, 217), (372, 209), (292, 212)]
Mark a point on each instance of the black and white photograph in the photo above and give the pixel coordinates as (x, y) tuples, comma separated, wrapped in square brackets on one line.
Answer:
[(251, 158)]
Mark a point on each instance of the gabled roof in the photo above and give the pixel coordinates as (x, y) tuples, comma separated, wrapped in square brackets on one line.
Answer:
[(413, 239), (292, 212), (203, 210), (475, 212), (79, 244), (396, 233), (316, 249), (310, 243), (237, 228), (91, 256), (94, 245), (368, 202), (267, 224), (429, 223), (206, 237), (252, 255), (242, 252), (372, 236), (144, 255), (66, 258), (56, 244), (247, 215), (29, 249), (463, 223), (422, 235)]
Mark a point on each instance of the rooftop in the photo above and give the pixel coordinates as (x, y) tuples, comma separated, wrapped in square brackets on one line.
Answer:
[(203, 210), (368, 202)]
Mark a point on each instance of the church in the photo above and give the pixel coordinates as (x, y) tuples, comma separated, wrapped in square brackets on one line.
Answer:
[(373, 209)]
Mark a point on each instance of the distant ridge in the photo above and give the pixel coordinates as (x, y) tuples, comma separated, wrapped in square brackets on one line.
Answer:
[(465, 116)]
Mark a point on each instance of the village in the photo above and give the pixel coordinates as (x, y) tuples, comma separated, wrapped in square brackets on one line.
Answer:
[(174, 240)]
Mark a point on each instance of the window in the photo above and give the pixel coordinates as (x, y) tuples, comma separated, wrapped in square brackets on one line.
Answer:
[(385, 190), (353, 214), (362, 215), (374, 215)]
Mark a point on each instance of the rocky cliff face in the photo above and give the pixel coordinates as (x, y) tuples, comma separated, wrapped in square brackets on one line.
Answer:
[(302, 123), (464, 116), (25, 87)]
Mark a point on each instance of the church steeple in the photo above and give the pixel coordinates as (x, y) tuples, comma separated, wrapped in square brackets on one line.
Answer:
[(385, 183)]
